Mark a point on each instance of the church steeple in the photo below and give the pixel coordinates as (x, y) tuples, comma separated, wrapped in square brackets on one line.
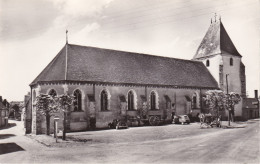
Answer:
[(216, 41)]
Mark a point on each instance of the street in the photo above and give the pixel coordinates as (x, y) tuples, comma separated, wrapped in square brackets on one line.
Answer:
[(160, 144)]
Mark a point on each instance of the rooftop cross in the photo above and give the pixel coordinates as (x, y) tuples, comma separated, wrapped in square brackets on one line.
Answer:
[(66, 36)]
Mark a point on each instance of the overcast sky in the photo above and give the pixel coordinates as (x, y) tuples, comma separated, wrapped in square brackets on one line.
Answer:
[(33, 31)]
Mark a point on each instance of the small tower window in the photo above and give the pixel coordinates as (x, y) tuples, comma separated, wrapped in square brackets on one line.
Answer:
[(231, 61), (207, 63)]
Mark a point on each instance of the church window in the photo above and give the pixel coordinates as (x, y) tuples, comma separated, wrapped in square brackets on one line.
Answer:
[(153, 100), (78, 102), (231, 61), (130, 100), (207, 63), (104, 101), (194, 101), (53, 93)]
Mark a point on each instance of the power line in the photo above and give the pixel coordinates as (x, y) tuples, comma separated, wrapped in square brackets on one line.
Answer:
[(169, 7), (152, 20)]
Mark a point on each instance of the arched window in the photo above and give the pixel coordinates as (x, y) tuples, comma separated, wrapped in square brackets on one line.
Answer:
[(194, 101), (104, 101), (231, 61), (77, 103), (130, 100), (53, 93), (207, 63), (153, 100)]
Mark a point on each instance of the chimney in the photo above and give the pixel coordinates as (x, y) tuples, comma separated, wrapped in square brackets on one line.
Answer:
[(1, 99), (256, 94)]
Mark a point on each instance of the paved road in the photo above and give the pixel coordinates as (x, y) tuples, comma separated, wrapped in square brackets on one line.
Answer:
[(167, 144)]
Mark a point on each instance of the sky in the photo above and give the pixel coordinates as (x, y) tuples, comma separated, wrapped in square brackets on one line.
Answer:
[(32, 32)]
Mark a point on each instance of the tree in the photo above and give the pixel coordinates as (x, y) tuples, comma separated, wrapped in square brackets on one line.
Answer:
[(64, 102), (46, 104), (218, 101), (215, 99), (231, 100)]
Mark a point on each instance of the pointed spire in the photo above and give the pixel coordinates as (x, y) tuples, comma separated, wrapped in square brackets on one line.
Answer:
[(215, 42), (210, 20), (66, 36), (215, 16)]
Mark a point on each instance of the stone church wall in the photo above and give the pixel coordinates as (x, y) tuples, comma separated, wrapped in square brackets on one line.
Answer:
[(177, 100)]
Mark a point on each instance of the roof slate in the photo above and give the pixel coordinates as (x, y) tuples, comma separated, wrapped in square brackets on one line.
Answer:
[(91, 64), (215, 42)]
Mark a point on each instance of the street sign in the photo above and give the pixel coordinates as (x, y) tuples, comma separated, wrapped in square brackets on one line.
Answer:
[(56, 118)]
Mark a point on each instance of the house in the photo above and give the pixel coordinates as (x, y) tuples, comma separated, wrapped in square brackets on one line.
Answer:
[(110, 84), (4, 105), (26, 116), (251, 107)]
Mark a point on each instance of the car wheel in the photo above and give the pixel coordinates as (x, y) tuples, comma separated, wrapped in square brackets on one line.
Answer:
[(182, 123)]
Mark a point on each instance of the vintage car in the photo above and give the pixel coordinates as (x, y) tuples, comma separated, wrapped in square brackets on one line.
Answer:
[(118, 124), (181, 119)]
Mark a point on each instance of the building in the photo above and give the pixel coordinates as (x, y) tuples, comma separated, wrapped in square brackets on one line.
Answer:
[(4, 105), (26, 116), (251, 107), (109, 84), (222, 59)]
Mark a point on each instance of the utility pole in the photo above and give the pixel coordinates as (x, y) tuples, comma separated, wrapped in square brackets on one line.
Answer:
[(228, 100), (227, 82)]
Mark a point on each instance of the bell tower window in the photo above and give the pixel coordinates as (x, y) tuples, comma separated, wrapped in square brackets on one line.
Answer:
[(207, 63), (231, 61)]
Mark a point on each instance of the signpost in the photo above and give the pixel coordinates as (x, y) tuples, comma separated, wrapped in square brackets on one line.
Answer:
[(56, 119)]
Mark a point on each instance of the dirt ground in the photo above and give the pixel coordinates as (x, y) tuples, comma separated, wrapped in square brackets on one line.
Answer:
[(160, 144)]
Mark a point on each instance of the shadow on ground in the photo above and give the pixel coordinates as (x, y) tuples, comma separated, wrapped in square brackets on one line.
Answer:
[(9, 148), (4, 136), (10, 125)]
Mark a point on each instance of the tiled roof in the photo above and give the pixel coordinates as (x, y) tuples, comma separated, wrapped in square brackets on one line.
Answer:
[(91, 64), (216, 41)]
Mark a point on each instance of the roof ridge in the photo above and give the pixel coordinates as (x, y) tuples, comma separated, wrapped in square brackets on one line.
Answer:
[(136, 53)]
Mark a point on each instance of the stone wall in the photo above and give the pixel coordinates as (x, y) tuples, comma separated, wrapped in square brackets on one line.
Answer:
[(169, 100)]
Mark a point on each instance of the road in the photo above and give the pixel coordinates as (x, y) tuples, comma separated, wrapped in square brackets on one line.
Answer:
[(162, 144)]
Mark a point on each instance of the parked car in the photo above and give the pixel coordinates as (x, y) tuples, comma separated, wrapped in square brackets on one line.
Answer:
[(118, 124), (181, 119)]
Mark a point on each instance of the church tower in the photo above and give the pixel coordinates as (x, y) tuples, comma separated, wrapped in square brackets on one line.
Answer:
[(222, 59)]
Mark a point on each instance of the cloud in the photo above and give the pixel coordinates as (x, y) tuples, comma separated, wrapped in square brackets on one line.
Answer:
[(81, 7), (82, 36)]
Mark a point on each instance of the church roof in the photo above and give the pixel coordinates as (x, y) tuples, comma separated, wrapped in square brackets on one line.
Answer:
[(91, 64), (215, 42)]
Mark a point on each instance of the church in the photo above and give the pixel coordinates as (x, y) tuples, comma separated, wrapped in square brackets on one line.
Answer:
[(110, 84)]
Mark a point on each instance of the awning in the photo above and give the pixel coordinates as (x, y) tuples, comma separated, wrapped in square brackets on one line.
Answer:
[(187, 98), (122, 98), (167, 98), (91, 97)]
